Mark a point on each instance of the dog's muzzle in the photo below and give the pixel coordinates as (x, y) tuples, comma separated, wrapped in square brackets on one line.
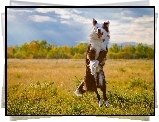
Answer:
[(99, 33)]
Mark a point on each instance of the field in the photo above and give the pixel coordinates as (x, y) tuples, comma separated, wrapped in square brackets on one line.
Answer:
[(46, 87)]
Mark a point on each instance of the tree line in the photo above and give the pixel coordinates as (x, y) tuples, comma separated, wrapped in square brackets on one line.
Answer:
[(42, 50), (131, 51)]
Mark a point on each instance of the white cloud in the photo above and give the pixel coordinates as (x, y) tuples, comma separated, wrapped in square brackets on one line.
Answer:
[(38, 18), (140, 30), (66, 14), (128, 18), (65, 22), (10, 17), (13, 14), (76, 11), (56, 10), (19, 10), (144, 19), (69, 16)]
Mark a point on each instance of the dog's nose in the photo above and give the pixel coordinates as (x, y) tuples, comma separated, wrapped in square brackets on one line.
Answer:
[(99, 31)]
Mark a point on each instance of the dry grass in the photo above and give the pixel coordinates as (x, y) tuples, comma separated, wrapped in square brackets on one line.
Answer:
[(46, 87)]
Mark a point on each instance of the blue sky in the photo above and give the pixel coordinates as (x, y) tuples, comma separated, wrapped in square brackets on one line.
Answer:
[(70, 26)]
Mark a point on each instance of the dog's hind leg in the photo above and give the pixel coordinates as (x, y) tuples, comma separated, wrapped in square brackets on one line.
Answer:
[(100, 102), (80, 90), (104, 94)]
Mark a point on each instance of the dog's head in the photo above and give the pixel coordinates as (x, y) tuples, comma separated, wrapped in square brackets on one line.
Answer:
[(100, 28)]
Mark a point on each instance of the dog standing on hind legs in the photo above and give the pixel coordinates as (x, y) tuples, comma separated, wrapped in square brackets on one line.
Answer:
[(92, 82), (95, 61)]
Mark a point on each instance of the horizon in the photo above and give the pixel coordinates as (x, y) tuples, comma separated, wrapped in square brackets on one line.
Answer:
[(109, 45)]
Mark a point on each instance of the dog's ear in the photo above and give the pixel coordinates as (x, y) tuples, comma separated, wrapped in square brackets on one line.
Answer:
[(94, 22), (107, 23)]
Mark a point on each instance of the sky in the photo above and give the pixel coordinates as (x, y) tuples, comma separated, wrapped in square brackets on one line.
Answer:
[(70, 26)]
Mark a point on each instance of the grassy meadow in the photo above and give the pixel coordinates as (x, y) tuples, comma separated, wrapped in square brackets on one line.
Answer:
[(46, 87)]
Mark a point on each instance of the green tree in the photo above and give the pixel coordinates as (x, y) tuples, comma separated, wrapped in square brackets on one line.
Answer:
[(41, 49), (140, 52), (114, 48)]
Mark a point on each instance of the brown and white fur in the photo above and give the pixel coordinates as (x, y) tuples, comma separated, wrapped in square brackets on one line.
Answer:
[(99, 36), (95, 77), (99, 39)]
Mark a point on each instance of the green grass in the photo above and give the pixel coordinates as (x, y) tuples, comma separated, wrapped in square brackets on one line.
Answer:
[(46, 87)]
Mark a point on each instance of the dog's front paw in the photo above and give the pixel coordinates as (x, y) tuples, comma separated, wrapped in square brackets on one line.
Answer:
[(93, 65), (92, 68)]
